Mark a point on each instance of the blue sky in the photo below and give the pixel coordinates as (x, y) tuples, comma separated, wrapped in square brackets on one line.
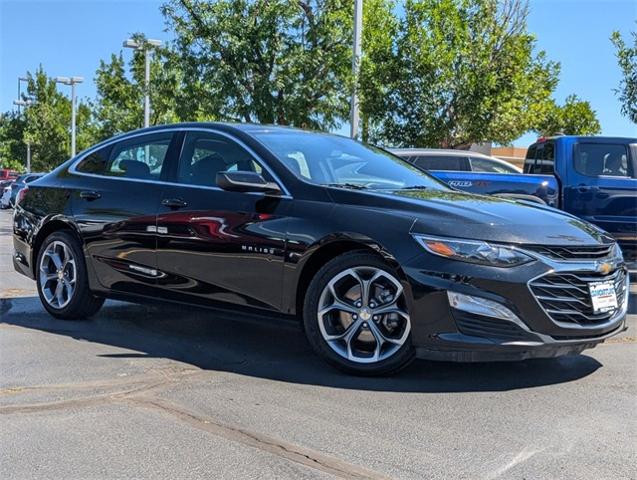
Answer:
[(69, 37)]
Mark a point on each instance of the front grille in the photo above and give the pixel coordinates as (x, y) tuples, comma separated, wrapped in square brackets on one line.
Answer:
[(566, 298), (573, 253)]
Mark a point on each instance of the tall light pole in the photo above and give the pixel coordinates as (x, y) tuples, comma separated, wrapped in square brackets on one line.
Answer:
[(72, 81), (20, 80), (146, 46), (356, 59), (25, 103)]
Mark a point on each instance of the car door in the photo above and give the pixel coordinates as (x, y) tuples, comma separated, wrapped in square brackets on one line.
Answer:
[(115, 200), (216, 245), (602, 187)]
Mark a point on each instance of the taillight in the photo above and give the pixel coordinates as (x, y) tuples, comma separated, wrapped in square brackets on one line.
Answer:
[(21, 194)]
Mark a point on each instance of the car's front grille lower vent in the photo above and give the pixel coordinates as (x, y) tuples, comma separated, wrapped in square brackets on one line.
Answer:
[(487, 327), (572, 253), (566, 297)]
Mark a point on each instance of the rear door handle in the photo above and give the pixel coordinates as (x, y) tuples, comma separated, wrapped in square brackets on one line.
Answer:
[(587, 188), (90, 195), (174, 203)]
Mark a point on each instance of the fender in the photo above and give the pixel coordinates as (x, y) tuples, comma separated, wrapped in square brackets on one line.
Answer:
[(300, 267)]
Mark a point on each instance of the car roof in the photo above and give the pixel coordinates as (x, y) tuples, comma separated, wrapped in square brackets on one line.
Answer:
[(245, 127), (223, 126), (438, 151), (577, 138)]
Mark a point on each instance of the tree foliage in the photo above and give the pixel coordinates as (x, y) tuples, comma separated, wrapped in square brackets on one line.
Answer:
[(575, 117), (627, 59), (455, 72), (440, 73), (120, 91), (12, 146), (268, 61)]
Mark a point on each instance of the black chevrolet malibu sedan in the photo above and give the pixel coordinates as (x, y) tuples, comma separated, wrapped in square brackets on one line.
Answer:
[(380, 261)]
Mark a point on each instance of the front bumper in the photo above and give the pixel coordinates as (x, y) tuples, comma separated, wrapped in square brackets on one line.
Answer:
[(440, 332)]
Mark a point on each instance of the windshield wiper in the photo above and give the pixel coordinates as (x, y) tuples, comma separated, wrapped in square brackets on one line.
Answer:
[(353, 186), (415, 187)]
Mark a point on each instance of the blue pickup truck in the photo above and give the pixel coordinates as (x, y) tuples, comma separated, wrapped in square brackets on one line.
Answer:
[(594, 178)]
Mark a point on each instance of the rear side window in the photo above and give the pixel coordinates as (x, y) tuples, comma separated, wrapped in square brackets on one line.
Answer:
[(602, 159), (441, 162), (529, 162), (140, 157), (540, 159), (95, 162), (479, 164)]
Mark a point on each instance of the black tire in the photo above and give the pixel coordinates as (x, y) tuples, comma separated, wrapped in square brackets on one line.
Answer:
[(83, 304), (399, 360)]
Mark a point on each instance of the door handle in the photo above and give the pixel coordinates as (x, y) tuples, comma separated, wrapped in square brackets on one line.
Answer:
[(587, 188), (174, 203), (90, 195)]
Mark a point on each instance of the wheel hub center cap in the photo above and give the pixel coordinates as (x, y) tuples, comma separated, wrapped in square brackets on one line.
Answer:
[(365, 314), (60, 274)]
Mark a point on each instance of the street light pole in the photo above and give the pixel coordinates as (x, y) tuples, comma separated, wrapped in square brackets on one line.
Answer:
[(146, 46), (146, 88), (25, 103), (356, 58), (72, 81), (20, 80)]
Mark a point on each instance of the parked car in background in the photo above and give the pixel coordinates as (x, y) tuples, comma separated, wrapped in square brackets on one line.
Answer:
[(593, 178), (7, 177), (5, 197), (19, 184), (456, 160), (477, 173), (379, 260), (6, 174)]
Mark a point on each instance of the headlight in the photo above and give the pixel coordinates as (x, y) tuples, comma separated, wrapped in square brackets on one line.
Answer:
[(617, 253), (473, 251)]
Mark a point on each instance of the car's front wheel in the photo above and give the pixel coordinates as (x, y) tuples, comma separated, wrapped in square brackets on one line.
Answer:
[(62, 280), (356, 317)]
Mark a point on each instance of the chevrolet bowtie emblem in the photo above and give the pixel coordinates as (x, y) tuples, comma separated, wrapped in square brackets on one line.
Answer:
[(604, 268)]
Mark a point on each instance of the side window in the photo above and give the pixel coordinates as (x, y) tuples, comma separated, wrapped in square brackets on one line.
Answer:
[(602, 159), (441, 162), (485, 165), (96, 162), (140, 157), (205, 154), (544, 159), (529, 161)]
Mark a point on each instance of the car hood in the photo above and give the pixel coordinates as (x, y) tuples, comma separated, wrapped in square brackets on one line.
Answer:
[(451, 213)]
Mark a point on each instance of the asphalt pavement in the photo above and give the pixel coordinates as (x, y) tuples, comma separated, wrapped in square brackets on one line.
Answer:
[(157, 392)]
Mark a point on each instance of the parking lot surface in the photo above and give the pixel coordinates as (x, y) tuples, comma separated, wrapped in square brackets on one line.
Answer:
[(173, 392)]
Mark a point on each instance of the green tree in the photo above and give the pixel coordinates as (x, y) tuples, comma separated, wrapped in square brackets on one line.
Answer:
[(455, 72), (12, 146), (120, 91), (46, 123), (575, 117), (269, 61), (627, 59)]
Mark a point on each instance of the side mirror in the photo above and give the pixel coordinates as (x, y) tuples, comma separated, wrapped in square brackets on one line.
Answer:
[(246, 182)]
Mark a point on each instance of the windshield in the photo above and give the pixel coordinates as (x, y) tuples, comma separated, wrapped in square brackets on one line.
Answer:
[(338, 161)]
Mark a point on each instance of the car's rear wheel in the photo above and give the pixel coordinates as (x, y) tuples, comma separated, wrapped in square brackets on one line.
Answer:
[(62, 280), (356, 317)]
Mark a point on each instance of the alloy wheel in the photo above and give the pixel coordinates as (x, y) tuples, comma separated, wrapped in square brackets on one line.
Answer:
[(58, 274), (362, 314)]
